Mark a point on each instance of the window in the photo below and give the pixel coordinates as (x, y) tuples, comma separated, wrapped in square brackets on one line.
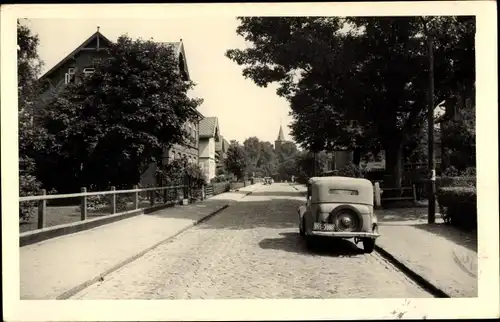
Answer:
[(88, 70), (343, 192), (71, 70), (69, 78)]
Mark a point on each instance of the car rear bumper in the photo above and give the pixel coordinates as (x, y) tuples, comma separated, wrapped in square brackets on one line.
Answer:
[(344, 234)]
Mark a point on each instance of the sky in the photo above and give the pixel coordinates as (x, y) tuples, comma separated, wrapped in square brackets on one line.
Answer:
[(243, 108)]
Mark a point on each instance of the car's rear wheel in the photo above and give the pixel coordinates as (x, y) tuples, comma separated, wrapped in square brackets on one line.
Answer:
[(368, 245)]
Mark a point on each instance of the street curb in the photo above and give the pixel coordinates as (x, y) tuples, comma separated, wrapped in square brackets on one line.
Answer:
[(413, 275), (66, 295)]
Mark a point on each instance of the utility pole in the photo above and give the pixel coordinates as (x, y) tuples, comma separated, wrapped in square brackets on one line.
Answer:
[(431, 210)]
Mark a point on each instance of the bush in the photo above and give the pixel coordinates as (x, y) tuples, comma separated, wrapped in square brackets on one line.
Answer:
[(456, 181), (451, 171), (469, 172), (95, 203), (351, 170), (237, 185), (28, 186), (458, 206), (221, 187)]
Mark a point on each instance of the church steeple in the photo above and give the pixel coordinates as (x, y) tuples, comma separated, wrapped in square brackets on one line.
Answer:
[(281, 137)]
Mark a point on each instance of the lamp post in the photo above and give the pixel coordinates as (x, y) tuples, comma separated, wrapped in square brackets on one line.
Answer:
[(431, 210)]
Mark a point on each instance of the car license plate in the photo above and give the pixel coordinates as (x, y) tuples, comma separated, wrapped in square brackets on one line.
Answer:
[(323, 226)]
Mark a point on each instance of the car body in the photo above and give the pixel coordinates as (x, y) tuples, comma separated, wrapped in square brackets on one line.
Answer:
[(339, 207)]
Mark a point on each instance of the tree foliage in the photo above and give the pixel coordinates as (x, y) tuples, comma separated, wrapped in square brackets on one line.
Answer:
[(357, 83), (236, 160), (106, 128), (30, 137), (177, 171), (261, 158)]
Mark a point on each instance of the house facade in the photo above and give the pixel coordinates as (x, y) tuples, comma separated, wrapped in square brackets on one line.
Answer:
[(209, 137), (220, 153), (83, 60)]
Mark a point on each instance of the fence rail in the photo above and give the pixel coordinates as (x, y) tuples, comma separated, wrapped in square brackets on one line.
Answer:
[(43, 197)]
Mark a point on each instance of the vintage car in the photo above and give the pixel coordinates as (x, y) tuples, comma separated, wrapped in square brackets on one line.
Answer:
[(339, 207), (268, 180)]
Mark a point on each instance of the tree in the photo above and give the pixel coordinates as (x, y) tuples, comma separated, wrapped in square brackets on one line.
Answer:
[(236, 160), (251, 147), (459, 138), (287, 150), (30, 136), (311, 163), (267, 160), (261, 158), (362, 82), (108, 127)]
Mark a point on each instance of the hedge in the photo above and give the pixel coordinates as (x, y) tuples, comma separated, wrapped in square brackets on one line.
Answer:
[(221, 187), (459, 181), (459, 206)]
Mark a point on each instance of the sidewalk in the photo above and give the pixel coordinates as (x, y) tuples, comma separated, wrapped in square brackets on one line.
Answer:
[(58, 267), (440, 254)]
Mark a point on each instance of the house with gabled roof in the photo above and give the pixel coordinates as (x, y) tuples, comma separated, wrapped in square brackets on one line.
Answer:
[(82, 61), (208, 139)]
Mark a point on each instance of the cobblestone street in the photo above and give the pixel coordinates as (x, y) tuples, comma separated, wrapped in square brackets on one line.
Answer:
[(253, 250)]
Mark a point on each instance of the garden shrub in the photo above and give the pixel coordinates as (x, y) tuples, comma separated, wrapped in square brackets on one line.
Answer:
[(96, 203), (456, 181), (221, 187), (351, 170), (451, 171), (459, 206), (29, 185)]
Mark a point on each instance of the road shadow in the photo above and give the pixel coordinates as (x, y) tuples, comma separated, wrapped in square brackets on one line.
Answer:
[(453, 234), (323, 246)]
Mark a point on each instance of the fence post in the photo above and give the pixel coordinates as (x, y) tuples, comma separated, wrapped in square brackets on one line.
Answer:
[(113, 201), (165, 191), (414, 189), (83, 205), (152, 197), (203, 192), (377, 193), (136, 197), (42, 204)]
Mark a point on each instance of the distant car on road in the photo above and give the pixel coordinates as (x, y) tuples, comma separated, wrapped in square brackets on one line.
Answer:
[(339, 207), (268, 180)]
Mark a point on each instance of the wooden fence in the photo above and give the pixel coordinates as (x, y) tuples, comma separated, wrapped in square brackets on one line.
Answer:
[(43, 197)]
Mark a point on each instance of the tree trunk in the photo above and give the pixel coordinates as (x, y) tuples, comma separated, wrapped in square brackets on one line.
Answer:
[(393, 166), (356, 157)]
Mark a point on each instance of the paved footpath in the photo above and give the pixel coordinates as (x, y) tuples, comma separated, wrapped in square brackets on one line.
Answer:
[(440, 254), (253, 250), (52, 267)]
